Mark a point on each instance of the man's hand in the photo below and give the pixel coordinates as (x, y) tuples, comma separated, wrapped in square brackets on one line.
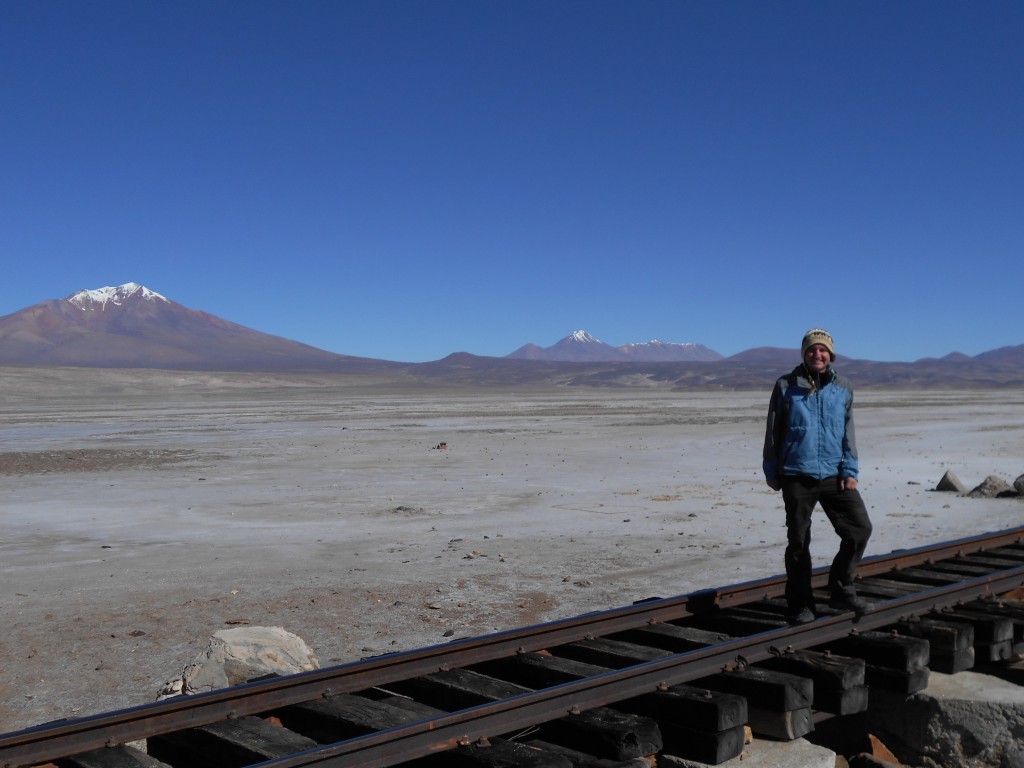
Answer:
[(775, 484), (849, 484)]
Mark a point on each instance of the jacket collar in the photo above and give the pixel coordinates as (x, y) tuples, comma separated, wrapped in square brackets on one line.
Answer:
[(803, 377)]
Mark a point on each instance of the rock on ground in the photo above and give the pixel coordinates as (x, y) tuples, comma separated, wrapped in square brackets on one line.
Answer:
[(239, 655), (950, 482), (969, 720), (992, 487)]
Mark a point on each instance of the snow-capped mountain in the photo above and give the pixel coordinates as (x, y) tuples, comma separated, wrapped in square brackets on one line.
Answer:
[(669, 351), (130, 326), (580, 346), (98, 298)]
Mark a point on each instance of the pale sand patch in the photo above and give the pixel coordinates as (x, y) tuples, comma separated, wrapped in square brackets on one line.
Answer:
[(327, 509)]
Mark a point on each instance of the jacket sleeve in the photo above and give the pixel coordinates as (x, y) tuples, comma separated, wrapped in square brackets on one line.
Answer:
[(773, 435), (851, 464)]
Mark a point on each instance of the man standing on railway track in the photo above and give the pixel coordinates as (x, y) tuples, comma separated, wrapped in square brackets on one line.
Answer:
[(810, 454)]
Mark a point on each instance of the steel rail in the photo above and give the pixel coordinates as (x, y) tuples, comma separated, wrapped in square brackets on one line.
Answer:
[(50, 741), (396, 745)]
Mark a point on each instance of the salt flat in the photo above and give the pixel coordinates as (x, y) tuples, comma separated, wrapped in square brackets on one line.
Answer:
[(144, 511)]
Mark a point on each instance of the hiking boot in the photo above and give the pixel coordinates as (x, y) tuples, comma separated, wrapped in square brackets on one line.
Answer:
[(858, 605), (803, 616)]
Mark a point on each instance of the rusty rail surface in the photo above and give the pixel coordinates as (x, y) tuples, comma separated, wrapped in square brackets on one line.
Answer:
[(64, 738)]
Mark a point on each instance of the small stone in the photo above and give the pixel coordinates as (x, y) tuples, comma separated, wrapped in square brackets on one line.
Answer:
[(950, 482), (991, 487)]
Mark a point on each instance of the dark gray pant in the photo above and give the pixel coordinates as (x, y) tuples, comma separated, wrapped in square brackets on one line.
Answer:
[(849, 517)]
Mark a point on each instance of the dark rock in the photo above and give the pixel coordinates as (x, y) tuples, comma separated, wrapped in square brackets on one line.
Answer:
[(950, 482), (990, 488)]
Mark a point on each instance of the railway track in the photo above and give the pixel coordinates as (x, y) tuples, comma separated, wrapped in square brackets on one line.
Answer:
[(680, 675)]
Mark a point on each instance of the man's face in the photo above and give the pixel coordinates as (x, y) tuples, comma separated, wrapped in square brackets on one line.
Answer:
[(817, 358)]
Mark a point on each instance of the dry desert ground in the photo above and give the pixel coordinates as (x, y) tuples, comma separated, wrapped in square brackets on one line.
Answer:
[(143, 511)]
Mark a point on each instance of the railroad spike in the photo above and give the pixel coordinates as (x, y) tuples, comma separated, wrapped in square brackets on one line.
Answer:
[(574, 710)]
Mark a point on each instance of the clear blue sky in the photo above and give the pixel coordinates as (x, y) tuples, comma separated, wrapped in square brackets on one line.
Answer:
[(406, 179)]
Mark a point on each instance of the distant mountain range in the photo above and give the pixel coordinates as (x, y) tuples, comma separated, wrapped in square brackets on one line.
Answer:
[(581, 347), (130, 326)]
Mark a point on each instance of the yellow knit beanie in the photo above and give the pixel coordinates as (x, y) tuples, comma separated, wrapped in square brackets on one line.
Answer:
[(818, 336)]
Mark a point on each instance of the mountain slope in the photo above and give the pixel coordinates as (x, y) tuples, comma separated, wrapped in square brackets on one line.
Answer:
[(581, 347), (130, 326), (667, 351)]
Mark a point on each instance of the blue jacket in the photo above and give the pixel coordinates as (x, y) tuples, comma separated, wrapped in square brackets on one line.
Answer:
[(810, 432)]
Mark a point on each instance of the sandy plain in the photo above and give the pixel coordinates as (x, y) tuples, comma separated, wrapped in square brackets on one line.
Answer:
[(144, 511)]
